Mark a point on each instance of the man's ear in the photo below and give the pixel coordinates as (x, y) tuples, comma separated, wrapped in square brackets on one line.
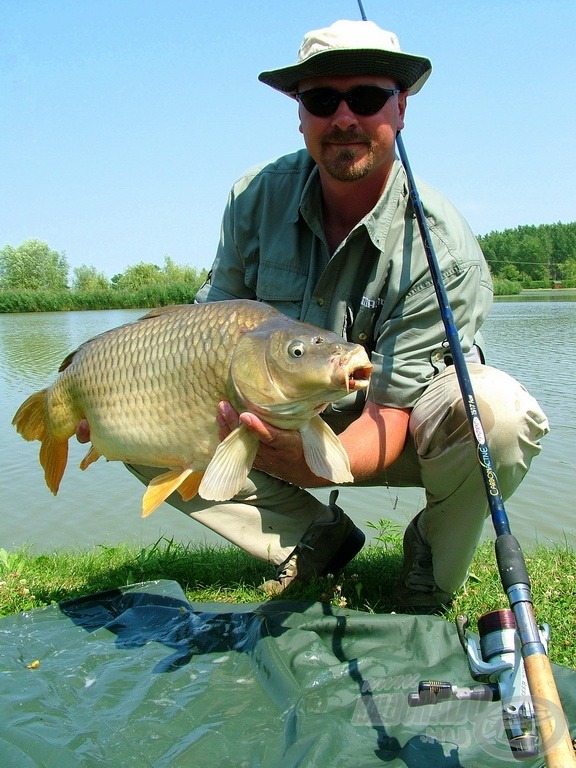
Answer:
[(300, 118), (402, 104)]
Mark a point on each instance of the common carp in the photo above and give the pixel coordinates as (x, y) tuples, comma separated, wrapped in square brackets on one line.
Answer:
[(150, 390)]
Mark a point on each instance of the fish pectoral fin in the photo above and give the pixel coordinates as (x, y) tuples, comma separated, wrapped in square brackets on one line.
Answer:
[(324, 453), (228, 469), (161, 486), (92, 456), (189, 486)]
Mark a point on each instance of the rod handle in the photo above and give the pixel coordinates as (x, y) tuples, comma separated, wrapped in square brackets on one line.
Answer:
[(552, 725)]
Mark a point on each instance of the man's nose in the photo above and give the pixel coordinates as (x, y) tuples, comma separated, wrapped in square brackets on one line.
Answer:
[(344, 117)]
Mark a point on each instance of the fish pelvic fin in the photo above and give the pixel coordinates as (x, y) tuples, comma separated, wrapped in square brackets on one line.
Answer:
[(92, 456), (31, 421), (162, 486), (228, 469), (189, 486), (324, 453)]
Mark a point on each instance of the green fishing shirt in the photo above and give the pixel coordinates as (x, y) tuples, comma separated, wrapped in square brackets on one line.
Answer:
[(376, 289)]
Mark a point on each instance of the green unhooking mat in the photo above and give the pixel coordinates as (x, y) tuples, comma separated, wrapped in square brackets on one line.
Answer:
[(140, 677)]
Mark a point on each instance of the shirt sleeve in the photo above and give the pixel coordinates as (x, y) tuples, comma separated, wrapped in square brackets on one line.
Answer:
[(226, 279)]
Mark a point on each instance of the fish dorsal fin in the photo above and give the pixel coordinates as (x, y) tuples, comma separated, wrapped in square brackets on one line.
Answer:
[(90, 458), (228, 469), (162, 311), (189, 486), (161, 486), (324, 453)]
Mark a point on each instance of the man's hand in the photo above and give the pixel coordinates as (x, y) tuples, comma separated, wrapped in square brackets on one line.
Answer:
[(280, 453)]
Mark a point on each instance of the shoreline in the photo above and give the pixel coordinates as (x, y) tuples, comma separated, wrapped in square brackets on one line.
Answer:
[(555, 293)]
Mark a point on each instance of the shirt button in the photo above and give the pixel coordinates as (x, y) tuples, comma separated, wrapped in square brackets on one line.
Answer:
[(320, 302), (362, 336)]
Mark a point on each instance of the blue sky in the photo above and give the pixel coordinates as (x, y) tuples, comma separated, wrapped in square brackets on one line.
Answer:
[(124, 123)]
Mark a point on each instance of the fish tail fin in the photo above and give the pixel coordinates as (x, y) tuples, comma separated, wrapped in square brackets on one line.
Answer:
[(31, 421), (30, 418)]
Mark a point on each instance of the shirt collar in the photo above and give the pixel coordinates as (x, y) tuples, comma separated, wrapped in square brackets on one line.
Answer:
[(376, 222)]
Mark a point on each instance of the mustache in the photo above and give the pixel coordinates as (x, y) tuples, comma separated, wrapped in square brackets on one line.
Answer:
[(338, 136)]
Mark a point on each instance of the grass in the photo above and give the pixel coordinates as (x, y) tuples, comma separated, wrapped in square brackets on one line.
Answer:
[(226, 574)]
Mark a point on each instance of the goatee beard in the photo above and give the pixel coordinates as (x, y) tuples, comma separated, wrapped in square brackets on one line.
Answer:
[(344, 166)]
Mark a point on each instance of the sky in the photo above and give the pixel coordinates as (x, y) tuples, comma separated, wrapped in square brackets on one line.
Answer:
[(124, 123)]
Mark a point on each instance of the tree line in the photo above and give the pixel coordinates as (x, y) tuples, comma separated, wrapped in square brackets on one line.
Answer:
[(541, 256), (33, 277)]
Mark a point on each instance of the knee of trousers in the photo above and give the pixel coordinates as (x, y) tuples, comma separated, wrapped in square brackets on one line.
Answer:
[(512, 421)]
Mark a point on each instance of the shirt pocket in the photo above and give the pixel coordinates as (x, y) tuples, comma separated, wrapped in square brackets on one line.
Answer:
[(279, 285)]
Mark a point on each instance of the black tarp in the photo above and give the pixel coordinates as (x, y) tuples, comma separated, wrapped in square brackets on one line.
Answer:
[(141, 677)]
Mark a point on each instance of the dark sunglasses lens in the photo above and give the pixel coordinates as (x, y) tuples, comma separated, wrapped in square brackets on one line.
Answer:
[(320, 102), (366, 99), (363, 100)]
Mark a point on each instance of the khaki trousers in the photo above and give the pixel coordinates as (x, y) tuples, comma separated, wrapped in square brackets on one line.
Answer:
[(269, 517)]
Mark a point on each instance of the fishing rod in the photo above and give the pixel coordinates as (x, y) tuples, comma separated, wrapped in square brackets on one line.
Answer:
[(556, 742)]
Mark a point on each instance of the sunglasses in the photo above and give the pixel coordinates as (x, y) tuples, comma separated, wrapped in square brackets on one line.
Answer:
[(362, 100)]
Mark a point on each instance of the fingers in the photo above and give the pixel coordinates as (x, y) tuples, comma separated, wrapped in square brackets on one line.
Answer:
[(263, 431), (226, 418)]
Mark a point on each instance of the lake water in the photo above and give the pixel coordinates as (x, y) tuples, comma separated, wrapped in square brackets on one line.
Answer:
[(534, 340)]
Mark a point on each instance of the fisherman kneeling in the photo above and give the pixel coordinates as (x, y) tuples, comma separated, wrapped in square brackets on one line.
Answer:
[(328, 235)]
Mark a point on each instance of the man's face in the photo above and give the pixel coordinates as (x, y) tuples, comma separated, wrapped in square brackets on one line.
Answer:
[(347, 146)]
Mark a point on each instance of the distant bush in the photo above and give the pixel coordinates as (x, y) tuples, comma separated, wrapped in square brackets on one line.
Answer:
[(22, 300), (535, 284), (503, 287)]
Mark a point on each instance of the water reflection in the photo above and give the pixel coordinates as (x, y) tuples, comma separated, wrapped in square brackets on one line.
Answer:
[(33, 345)]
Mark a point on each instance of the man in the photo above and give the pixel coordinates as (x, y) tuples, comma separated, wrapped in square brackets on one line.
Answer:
[(328, 235)]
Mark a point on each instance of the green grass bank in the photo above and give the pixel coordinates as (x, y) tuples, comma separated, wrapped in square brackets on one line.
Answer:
[(226, 574)]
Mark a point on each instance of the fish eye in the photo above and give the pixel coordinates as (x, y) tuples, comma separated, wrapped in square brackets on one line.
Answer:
[(296, 348)]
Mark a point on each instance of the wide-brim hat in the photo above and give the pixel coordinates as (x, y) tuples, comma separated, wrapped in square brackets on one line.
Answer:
[(349, 48)]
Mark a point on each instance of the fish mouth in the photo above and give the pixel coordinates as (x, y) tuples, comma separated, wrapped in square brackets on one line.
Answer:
[(350, 371), (358, 370), (359, 378)]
